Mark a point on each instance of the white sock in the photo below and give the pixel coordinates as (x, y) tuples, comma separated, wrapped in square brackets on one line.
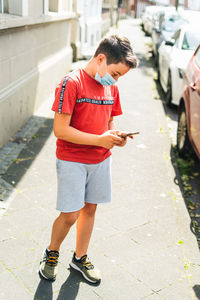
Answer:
[(77, 257)]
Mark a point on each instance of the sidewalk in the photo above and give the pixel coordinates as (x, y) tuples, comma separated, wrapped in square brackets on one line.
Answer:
[(141, 242)]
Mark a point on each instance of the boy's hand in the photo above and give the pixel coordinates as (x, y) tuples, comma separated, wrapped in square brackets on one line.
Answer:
[(110, 138), (122, 134)]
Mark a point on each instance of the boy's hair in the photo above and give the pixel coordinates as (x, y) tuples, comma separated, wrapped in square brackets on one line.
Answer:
[(117, 50)]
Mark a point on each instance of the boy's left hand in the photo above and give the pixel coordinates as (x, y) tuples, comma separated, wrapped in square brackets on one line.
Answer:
[(124, 139)]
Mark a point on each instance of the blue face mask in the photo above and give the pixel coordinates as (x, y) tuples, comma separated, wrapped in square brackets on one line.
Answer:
[(105, 80)]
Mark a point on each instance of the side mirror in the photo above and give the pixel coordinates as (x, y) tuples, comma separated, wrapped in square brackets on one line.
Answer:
[(170, 42)]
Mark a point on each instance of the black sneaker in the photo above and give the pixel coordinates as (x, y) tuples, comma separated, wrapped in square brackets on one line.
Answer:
[(87, 269), (48, 265)]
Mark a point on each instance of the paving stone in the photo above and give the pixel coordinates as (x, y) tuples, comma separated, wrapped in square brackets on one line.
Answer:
[(12, 288), (162, 267), (156, 234), (6, 190), (178, 291), (8, 231), (153, 296), (17, 256), (40, 219), (21, 202)]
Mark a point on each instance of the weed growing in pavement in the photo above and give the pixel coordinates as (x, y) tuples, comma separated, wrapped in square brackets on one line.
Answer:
[(163, 131), (185, 167), (19, 160), (180, 242), (149, 44)]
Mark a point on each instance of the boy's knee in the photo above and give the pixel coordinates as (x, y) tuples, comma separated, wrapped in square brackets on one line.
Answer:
[(90, 208), (69, 218)]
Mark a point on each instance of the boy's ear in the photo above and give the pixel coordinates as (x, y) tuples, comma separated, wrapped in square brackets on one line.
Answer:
[(100, 58)]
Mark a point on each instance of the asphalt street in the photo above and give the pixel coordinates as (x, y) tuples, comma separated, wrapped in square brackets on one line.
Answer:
[(142, 241)]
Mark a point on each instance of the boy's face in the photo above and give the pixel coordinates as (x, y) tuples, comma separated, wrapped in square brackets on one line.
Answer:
[(115, 70)]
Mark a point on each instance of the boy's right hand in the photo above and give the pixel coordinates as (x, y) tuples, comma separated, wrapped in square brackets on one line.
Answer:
[(109, 139)]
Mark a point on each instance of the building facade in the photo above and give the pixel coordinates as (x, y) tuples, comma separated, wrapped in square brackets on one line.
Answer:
[(35, 53)]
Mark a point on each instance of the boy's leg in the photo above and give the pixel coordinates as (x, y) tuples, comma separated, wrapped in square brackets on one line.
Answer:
[(98, 190), (85, 225), (61, 227)]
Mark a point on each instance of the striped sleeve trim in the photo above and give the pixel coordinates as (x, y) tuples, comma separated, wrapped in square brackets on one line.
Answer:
[(62, 94)]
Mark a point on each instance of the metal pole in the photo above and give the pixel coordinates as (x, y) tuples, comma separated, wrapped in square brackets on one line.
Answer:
[(111, 11), (177, 4), (2, 6)]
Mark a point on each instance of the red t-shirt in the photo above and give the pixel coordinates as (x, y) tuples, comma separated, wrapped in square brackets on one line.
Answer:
[(91, 105)]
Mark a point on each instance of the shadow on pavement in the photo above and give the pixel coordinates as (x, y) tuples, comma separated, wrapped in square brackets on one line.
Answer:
[(70, 287), (196, 289), (68, 291), (44, 290), (28, 154)]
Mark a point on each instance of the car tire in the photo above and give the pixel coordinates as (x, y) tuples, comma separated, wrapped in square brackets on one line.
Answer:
[(158, 71), (183, 142), (158, 75), (169, 91), (156, 59)]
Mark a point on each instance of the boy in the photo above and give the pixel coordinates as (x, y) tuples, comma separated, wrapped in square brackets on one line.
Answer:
[(85, 103)]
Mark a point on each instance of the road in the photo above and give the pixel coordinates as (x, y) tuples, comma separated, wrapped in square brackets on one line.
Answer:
[(141, 242)]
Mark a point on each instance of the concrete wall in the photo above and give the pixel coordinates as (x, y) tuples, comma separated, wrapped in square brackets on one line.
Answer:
[(33, 58)]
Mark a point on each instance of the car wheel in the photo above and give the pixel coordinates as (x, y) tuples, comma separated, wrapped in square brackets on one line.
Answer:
[(156, 59), (183, 143), (158, 71), (158, 75), (169, 91)]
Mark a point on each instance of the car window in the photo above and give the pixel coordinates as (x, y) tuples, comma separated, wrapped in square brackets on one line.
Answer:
[(191, 40), (172, 24), (197, 58)]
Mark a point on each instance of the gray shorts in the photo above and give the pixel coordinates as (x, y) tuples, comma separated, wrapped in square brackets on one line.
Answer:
[(79, 183)]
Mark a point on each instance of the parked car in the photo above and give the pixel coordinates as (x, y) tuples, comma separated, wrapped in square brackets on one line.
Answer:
[(167, 23), (188, 132), (174, 55), (190, 15), (148, 18)]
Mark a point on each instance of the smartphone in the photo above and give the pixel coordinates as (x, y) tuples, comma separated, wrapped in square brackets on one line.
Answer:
[(130, 133)]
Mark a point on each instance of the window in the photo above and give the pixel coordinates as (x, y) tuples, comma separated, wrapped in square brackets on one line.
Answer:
[(191, 40), (173, 23)]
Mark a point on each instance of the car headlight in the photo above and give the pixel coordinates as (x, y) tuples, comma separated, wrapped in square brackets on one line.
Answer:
[(181, 73)]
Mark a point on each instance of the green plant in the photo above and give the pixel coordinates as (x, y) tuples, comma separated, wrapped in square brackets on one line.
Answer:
[(185, 167)]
